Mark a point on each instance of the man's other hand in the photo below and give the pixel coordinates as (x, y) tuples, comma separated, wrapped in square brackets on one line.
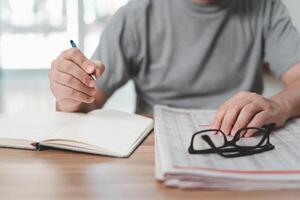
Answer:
[(248, 109)]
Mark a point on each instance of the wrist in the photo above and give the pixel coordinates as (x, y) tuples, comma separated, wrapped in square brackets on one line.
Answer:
[(284, 106)]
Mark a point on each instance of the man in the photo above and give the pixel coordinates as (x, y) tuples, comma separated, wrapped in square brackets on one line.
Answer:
[(190, 54)]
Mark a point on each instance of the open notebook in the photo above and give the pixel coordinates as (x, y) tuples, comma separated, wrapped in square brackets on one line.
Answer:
[(104, 132)]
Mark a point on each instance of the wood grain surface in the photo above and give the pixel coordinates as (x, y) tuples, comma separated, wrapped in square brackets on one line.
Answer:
[(53, 174)]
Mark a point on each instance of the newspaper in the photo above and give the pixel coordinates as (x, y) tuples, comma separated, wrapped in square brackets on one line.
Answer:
[(275, 169)]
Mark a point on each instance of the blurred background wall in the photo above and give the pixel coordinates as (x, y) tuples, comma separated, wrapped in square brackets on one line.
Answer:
[(293, 6), (34, 32)]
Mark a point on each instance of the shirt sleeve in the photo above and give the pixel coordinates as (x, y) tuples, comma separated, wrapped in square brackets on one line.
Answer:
[(282, 40), (116, 52)]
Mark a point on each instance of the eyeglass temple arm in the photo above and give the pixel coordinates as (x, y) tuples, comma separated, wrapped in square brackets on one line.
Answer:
[(207, 139), (199, 132)]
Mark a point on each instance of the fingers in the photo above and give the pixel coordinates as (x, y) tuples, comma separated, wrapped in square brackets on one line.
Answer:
[(245, 116), (219, 117), (230, 118), (217, 122), (243, 110), (70, 79), (72, 82), (77, 57), (100, 68), (75, 71), (96, 67), (258, 121), (259, 112), (64, 92), (228, 113), (248, 110)]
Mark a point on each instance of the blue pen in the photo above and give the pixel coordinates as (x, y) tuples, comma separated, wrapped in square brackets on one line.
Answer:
[(93, 76)]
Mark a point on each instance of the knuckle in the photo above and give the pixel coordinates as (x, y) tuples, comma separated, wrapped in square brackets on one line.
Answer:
[(69, 80), (74, 52), (264, 117), (67, 91), (54, 63), (52, 77), (88, 91), (253, 96), (268, 104), (72, 92), (88, 65), (260, 119), (83, 97), (267, 107), (249, 109), (86, 79), (261, 99), (265, 104), (219, 115), (222, 108), (242, 93), (64, 53), (235, 108), (80, 75), (68, 67)]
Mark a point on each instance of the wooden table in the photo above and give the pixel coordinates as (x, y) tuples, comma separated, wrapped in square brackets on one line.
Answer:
[(53, 174)]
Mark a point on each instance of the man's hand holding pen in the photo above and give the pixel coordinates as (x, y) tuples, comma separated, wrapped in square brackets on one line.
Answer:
[(70, 79)]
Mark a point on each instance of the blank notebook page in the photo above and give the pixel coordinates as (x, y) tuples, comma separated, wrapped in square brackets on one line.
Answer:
[(33, 126), (114, 131)]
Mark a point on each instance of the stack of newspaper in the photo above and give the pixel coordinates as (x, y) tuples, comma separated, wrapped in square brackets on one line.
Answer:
[(275, 169)]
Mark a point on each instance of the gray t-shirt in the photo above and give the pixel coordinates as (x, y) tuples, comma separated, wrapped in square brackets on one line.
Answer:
[(183, 54)]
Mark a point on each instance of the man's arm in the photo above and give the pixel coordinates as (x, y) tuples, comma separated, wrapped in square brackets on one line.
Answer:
[(248, 109), (289, 97)]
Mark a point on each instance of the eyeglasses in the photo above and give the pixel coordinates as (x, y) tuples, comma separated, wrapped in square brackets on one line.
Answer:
[(237, 146)]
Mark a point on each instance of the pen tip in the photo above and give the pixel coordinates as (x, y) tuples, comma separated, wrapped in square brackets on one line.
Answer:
[(94, 77)]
